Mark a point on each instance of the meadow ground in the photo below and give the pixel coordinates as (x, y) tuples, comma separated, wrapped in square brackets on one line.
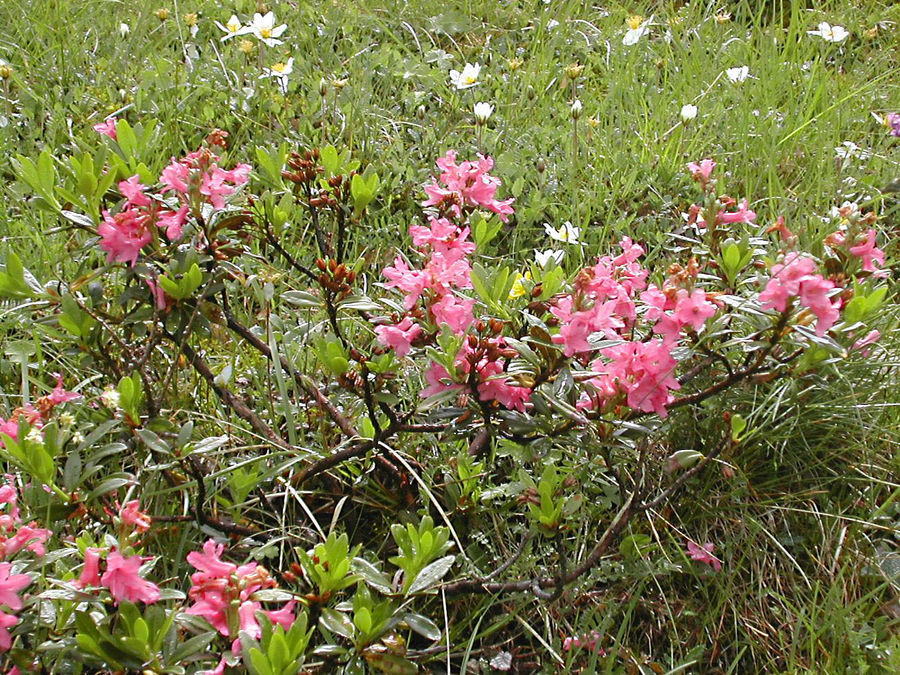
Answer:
[(585, 129)]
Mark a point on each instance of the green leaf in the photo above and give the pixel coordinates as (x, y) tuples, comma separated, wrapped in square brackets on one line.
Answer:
[(432, 574), (422, 625)]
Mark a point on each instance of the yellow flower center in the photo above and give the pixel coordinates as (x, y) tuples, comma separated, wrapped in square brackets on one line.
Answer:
[(266, 32), (279, 67), (634, 22)]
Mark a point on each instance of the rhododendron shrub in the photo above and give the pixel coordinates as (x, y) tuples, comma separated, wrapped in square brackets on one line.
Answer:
[(249, 375)]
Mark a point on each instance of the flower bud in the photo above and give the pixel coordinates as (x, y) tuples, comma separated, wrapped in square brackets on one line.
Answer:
[(162, 13), (323, 87), (576, 109)]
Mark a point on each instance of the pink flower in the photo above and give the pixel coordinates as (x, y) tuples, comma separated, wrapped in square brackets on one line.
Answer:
[(589, 641), (133, 191), (742, 215), (10, 585), (399, 337), (704, 554), (175, 176), (173, 222), (862, 344), (122, 578), (27, 537), (495, 387), (124, 235), (131, 515), (90, 574), (7, 621), (869, 253), (222, 593), (453, 312), (702, 171), (438, 380), (692, 309), (59, 394), (158, 294), (107, 127)]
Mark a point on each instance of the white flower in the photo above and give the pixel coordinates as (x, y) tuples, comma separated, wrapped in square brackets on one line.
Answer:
[(576, 108), (232, 28), (830, 33), (552, 23), (263, 27), (738, 74), (467, 78), (637, 28), (544, 257), (849, 150), (688, 112), (483, 112), (280, 71), (567, 233), (110, 398), (124, 29), (847, 211), (35, 436)]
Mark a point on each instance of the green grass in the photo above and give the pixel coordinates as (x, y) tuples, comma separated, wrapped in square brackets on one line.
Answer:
[(804, 515)]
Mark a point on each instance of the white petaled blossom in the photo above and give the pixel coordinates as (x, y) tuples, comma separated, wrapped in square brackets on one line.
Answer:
[(124, 29), (265, 30), (467, 78), (281, 72), (34, 436), (542, 258), (850, 211), (110, 398), (688, 112), (637, 28), (830, 33), (738, 74), (483, 112), (567, 233), (232, 28)]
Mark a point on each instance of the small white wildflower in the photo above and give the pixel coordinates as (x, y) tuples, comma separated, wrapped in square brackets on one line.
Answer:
[(66, 419), (78, 438), (281, 72), (232, 28), (688, 112), (265, 30), (124, 29), (849, 150), (467, 78), (552, 23), (567, 233), (35, 436), (576, 108), (637, 28), (830, 33), (542, 258), (738, 74)]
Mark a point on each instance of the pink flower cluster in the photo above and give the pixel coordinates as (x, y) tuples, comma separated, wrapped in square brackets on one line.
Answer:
[(863, 246), (602, 300), (796, 277), (36, 416), (196, 179), (222, 593), (14, 536), (122, 577), (486, 357), (466, 185)]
